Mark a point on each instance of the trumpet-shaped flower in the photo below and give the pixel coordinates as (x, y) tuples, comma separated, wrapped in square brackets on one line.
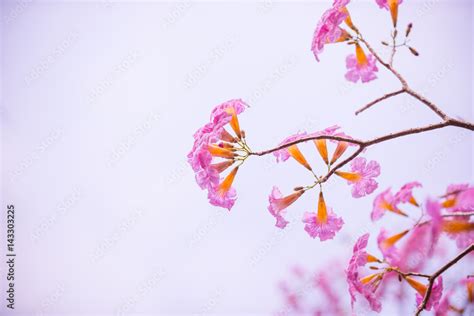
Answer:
[(361, 176), (365, 286), (292, 151), (383, 202), (224, 195), (328, 29), (360, 66), (387, 246), (323, 224), (405, 194), (278, 204), (392, 6)]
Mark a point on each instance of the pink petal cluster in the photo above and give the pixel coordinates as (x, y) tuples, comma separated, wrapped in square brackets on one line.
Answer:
[(324, 230), (383, 4), (462, 196), (283, 154), (279, 203), (386, 200), (435, 297), (366, 183), (406, 192), (381, 202), (433, 209), (328, 29), (200, 158), (357, 71), (359, 259), (390, 254)]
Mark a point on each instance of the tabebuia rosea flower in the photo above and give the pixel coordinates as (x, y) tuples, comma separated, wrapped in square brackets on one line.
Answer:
[(323, 224), (459, 198), (420, 288), (278, 204), (367, 285), (392, 6), (292, 151), (386, 201), (387, 245), (215, 150), (321, 144), (459, 300), (361, 176), (360, 66), (329, 30)]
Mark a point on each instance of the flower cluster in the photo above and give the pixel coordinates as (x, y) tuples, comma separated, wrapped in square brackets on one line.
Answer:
[(323, 223), (330, 29), (215, 150), (420, 239)]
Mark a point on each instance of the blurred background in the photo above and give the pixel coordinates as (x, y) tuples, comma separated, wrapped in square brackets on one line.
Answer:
[(99, 102)]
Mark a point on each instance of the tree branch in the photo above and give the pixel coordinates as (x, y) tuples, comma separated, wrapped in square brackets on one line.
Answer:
[(386, 96), (440, 271)]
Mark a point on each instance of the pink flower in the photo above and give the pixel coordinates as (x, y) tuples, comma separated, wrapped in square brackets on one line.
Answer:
[(278, 204), (324, 230), (284, 154), (392, 6), (406, 193), (386, 245), (459, 198), (384, 4), (382, 203), (362, 176), (461, 230), (324, 224), (360, 258), (433, 209), (226, 112), (292, 151), (328, 29), (224, 195), (359, 66), (435, 297)]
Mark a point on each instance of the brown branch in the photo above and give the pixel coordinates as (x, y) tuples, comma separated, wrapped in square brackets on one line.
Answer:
[(365, 144), (440, 271), (386, 96)]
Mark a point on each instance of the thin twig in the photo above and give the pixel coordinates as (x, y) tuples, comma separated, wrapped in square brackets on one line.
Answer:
[(440, 271), (386, 96)]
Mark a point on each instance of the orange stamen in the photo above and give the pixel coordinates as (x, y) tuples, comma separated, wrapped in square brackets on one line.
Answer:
[(220, 152), (457, 226), (322, 209), (349, 176), (340, 149), (391, 241), (322, 149), (227, 182), (296, 153), (360, 56), (221, 166), (418, 286)]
